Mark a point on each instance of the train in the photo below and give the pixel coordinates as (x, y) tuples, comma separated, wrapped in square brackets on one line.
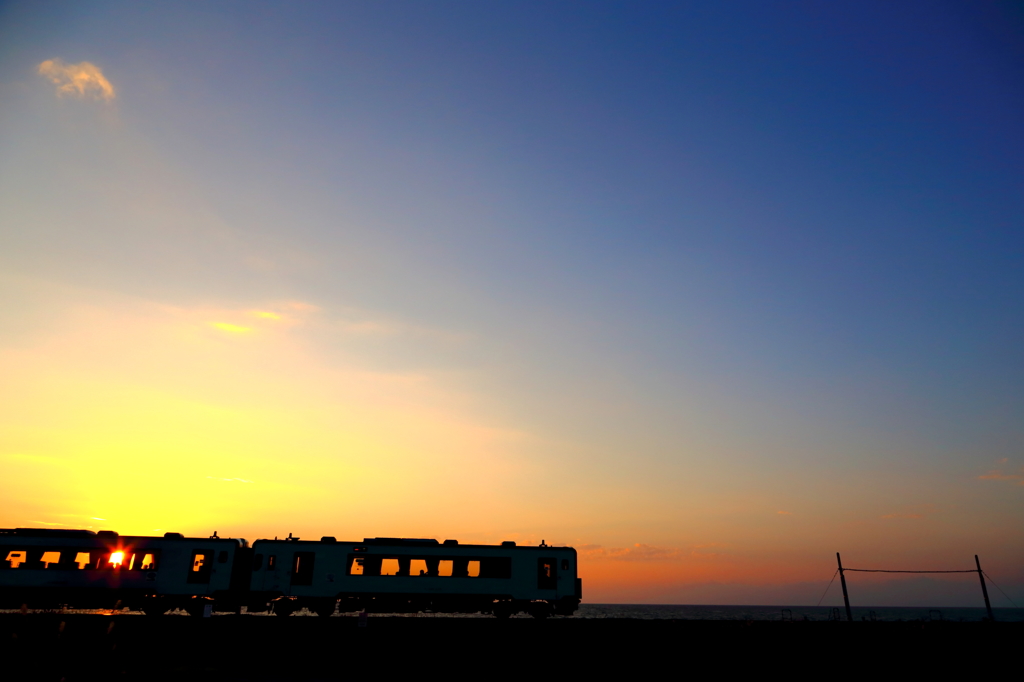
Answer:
[(50, 568)]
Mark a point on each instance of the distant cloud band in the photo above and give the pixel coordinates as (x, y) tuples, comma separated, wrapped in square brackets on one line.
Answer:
[(83, 79)]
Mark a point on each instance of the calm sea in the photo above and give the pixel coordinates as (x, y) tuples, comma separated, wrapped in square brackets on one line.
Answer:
[(888, 613)]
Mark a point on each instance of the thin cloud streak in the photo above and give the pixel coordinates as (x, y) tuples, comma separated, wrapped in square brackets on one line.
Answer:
[(644, 552), (996, 475)]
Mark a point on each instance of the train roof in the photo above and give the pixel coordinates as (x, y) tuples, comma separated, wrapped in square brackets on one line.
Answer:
[(100, 535), (380, 542), (407, 542), (50, 532)]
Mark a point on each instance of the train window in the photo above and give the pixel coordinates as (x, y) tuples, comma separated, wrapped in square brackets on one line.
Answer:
[(16, 557), (257, 562), (271, 562), (473, 570), (222, 558), (418, 567), (356, 567), (547, 579), (302, 568), (565, 564), (389, 567), (143, 561), (444, 568), (50, 558), (201, 567), (82, 560)]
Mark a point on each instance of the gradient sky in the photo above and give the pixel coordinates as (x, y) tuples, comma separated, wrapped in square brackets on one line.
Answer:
[(709, 291)]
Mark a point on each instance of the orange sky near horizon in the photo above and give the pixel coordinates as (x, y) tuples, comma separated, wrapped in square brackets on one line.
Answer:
[(146, 418)]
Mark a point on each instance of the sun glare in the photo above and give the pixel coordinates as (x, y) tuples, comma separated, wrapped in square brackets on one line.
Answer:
[(116, 559)]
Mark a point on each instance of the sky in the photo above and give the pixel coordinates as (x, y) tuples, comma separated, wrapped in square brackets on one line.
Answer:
[(709, 291)]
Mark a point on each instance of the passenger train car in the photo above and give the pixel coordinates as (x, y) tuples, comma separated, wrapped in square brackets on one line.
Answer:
[(46, 568)]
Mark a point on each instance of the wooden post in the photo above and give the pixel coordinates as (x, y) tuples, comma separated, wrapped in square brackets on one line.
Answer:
[(846, 596), (984, 589)]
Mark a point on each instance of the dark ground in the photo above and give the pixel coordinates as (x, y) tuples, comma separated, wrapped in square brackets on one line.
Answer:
[(73, 647)]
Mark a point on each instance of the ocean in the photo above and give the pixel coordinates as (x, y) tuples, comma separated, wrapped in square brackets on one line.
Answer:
[(868, 613)]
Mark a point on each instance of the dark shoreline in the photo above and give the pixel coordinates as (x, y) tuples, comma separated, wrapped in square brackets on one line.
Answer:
[(72, 646)]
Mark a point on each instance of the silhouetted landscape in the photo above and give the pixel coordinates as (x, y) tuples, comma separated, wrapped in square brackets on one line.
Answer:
[(70, 647)]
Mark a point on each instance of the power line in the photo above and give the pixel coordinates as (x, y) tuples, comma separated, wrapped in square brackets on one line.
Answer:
[(826, 589), (883, 570), (981, 577), (1001, 590)]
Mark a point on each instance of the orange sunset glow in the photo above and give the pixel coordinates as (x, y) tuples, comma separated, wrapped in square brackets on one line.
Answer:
[(707, 306)]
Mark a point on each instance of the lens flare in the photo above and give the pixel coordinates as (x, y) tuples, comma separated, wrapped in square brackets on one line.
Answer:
[(116, 559)]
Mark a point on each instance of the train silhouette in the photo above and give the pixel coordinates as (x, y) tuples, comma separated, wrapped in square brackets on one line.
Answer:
[(48, 568)]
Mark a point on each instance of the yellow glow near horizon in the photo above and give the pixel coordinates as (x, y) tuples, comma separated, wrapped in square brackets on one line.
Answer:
[(136, 416)]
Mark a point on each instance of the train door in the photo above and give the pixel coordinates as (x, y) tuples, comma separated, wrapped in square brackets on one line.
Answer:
[(547, 574), (200, 567), (302, 568), (273, 579)]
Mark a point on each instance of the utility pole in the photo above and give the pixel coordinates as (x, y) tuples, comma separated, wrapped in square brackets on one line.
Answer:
[(984, 589), (846, 597)]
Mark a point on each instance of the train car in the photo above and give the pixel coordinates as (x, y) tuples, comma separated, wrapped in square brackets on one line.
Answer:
[(395, 575), (45, 568)]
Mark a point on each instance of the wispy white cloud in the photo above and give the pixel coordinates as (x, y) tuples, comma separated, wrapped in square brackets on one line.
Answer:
[(83, 79)]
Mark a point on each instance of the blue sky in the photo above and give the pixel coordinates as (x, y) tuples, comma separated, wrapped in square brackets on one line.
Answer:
[(705, 258)]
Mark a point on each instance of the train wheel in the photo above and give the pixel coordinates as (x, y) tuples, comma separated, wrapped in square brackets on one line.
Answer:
[(326, 609), (284, 607), (540, 611)]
